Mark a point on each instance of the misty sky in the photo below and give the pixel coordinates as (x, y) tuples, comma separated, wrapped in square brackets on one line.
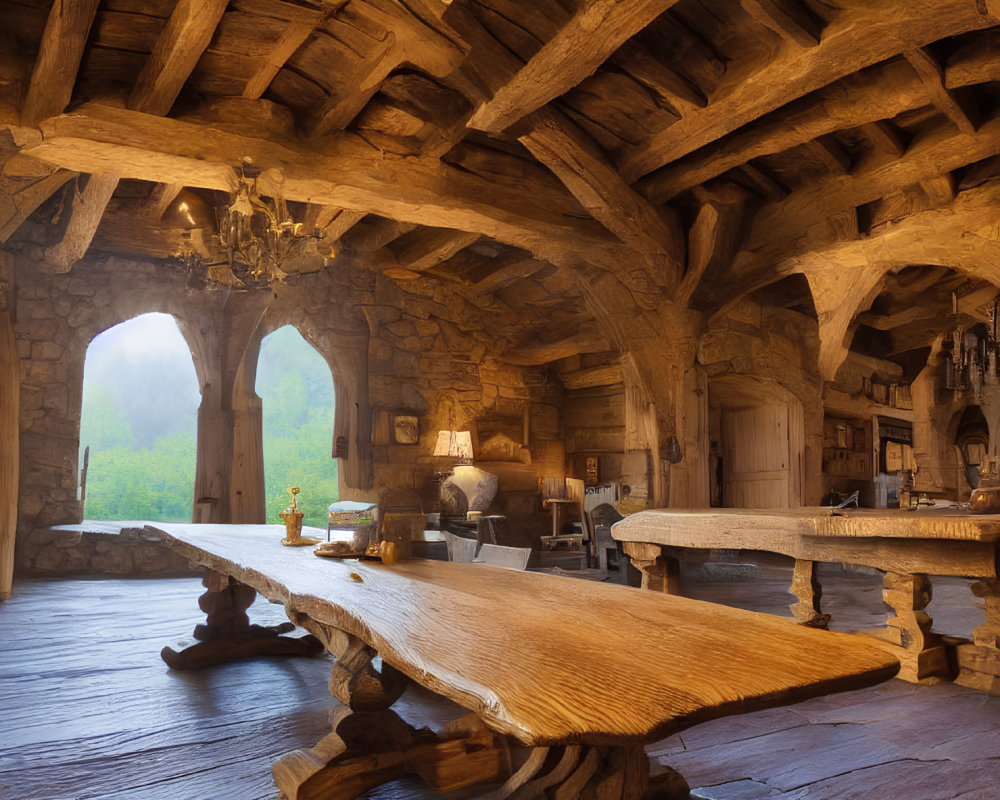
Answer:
[(146, 366)]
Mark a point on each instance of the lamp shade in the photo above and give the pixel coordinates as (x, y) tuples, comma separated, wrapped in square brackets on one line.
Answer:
[(454, 444)]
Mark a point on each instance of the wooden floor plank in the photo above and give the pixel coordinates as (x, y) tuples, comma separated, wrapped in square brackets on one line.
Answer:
[(88, 710)]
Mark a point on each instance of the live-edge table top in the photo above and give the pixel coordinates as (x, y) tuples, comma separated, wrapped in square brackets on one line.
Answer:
[(543, 658)]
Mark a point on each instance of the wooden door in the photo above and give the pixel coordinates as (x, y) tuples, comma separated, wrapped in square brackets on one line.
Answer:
[(756, 468)]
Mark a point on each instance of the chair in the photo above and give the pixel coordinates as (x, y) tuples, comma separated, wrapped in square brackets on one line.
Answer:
[(599, 520)]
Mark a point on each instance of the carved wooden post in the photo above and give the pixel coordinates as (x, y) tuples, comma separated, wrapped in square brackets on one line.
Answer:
[(660, 572), (808, 591), (979, 663), (924, 656)]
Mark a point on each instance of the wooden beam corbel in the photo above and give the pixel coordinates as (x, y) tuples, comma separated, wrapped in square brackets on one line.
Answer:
[(58, 59), (87, 209), (23, 201), (175, 54), (718, 231), (591, 35)]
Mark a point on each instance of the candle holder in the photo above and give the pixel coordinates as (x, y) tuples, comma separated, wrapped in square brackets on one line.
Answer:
[(293, 523)]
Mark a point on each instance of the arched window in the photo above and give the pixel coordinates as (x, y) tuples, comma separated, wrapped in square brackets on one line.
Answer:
[(139, 419), (296, 388)]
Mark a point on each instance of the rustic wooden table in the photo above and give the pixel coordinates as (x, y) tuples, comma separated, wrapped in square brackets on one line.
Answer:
[(583, 673), (906, 545)]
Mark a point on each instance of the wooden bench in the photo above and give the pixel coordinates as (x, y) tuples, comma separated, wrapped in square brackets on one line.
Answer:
[(581, 673), (906, 545)]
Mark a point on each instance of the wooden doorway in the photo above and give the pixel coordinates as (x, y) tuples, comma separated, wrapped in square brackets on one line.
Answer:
[(759, 437)]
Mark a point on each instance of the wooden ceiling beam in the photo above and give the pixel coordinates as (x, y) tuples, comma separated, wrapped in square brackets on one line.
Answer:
[(85, 215), (776, 237), (858, 37), (18, 203), (175, 55), (975, 62), (785, 18), (830, 154), (646, 68), (425, 248), (578, 162), (585, 42), (932, 76), (162, 198), (880, 92), (508, 273), (58, 61), (292, 38), (884, 137), (534, 214)]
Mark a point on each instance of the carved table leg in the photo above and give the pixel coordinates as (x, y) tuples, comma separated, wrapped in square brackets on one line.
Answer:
[(609, 773), (227, 634), (924, 657), (371, 744), (979, 662), (660, 572), (808, 592)]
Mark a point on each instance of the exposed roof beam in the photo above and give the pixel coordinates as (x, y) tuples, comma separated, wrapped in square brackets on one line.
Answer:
[(162, 198), (592, 34), (16, 206), (87, 209), (182, 41), (425, 248), (858, 37), (58, 59), (932, 76), (536, 355), (578, 162), (830, 154), (771, 252), (408, 40), (786, 18), (302, 21), (884, 137), (652, 73), (535, 215), (976, 62)]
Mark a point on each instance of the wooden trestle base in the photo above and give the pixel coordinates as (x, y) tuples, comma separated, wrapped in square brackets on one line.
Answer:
[(924, 656), (227, 634), (370, 745)]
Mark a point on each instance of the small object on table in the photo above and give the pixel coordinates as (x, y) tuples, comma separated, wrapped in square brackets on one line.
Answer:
[(293, 523), (337, 550)]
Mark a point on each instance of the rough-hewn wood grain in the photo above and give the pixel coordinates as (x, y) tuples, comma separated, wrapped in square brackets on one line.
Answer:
[(86, 211), (180, 45), (856, 38), (58, 59), (409, 615), (597, 29)]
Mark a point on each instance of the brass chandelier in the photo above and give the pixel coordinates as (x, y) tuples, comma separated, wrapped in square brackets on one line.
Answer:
[(257, 232)]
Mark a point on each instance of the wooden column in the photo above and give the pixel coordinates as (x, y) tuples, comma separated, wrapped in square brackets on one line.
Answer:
[(10, 390), (247, 500)]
